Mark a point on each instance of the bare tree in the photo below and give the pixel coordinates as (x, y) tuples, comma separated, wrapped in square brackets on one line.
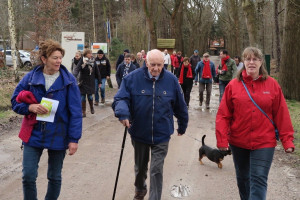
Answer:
[(149, 10), (12, 32), (251, 21), (290, 58), (176, 15), (277, 34)]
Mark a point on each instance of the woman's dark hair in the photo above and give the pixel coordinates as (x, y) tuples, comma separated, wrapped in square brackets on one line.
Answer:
[(250, 52), (47, 47), (224, 51), (186, 59), (239, 58), (132, 56)]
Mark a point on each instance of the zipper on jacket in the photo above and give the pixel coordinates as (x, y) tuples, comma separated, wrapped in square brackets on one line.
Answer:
[(43, 126), (153, 110)]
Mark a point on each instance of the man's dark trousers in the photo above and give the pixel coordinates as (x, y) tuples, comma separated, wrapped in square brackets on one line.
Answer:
[(141, 158)]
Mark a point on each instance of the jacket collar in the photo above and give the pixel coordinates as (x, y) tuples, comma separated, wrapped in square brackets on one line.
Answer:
[(37, 77), (248, 78), (146, 73), (103, 58)]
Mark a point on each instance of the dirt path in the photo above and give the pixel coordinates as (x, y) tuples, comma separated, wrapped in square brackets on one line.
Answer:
[(90, 173)]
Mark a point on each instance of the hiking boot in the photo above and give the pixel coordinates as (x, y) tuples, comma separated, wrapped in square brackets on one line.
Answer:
[(83, 105), (92, 107), (207, 106), (96, 103), (103, 100), (139, 195)]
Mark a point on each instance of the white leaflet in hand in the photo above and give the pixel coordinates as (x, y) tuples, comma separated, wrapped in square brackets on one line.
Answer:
[(51, 105)]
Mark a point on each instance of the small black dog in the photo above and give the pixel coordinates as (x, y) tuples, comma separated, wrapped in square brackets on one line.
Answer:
[(214, 155)]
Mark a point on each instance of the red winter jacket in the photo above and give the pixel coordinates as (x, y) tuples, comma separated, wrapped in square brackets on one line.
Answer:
[(172, 59), (177, 62), (29, 120), (240, 123)]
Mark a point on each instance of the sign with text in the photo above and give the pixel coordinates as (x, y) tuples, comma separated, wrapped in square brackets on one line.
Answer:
[(96, 46), (71, 42)]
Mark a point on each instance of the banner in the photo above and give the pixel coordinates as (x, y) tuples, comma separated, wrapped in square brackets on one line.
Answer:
[(96, 46)]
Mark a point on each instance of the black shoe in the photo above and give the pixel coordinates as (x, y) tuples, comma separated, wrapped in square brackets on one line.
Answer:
[(139, 195)]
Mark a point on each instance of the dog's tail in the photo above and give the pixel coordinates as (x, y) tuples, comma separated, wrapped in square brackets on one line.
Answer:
[(203, 140)]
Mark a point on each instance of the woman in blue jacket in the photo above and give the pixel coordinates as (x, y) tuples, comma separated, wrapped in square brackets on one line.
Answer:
[(51, 80)]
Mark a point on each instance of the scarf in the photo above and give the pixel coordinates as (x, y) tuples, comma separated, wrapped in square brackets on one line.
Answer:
[(206, 73), (224, 66), (126, 70), (29, 120), (76, 61), (188, 74)]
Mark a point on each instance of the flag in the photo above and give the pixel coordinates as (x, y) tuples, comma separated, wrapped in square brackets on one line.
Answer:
[(108, 31)]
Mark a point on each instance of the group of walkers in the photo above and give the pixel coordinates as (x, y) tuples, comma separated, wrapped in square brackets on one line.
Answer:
[(92, 74), (148, 98)]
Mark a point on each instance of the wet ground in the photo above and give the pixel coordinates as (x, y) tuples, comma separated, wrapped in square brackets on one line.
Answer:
[(90, 173)]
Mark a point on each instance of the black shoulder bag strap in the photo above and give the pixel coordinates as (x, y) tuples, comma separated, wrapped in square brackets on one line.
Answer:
[(276, 130)]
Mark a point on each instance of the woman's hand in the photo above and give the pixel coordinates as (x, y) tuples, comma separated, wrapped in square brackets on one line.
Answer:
[(73, 148), (223, 149), (38, 109), (289, 150)]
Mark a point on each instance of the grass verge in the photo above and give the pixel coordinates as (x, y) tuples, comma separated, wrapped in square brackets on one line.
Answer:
[(294, 108)]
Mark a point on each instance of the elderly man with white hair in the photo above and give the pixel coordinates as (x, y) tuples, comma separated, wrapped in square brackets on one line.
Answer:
[(145, 103)]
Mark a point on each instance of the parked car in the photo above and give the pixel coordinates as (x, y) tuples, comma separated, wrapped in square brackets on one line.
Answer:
[(25, 57)]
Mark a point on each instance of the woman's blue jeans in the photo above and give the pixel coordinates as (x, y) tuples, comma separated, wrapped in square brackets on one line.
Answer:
[(252, 169), (31, 158), (222, 86), (89, 96), (102, 89)]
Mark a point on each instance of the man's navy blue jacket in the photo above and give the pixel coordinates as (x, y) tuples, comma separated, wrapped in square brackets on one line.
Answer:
[(150, 106)]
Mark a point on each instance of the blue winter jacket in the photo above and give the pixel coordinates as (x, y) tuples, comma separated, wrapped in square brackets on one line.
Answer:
[(67, 125), (150, 106), (120, 71), (199, 69)]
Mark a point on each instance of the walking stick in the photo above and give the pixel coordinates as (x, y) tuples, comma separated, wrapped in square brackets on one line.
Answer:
[(123, 145)]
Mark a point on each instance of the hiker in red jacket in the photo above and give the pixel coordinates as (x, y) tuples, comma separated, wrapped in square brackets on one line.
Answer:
[(249, 133), (186, 78), (177, 61)]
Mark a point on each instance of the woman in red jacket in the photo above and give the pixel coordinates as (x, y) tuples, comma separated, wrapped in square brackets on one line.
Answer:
[(177, 61), (173, 56), (249, 133)]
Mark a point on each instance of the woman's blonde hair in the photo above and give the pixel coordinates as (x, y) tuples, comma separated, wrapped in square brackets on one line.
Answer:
[(47, 47), (253, 52)]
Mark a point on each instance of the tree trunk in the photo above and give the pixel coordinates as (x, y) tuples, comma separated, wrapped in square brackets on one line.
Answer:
[(149, 11), (176, 23), (290, 59), (277, 35), (94, 24), (12, 33), (236, 48), (251, 21)]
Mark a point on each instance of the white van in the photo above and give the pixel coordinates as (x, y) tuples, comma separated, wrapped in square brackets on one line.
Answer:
[(25, 57)]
